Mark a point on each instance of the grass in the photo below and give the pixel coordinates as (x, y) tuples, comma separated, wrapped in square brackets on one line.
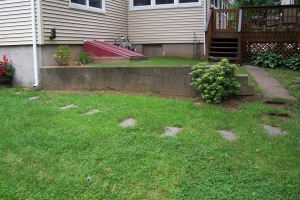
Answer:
[(49, 153), (152, 61), (288, 78)]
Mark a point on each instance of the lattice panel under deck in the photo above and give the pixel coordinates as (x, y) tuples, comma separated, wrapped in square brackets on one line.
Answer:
[(250, 49)]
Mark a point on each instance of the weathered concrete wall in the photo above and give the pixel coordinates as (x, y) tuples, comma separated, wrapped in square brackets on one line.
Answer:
[(22, 61), (171, 81), (48, 52), (169, 50)]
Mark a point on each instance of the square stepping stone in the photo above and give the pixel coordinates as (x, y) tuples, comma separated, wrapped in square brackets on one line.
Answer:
[(68, 106), (227, 134), (274, 130), (91, 112), (33, 98), (171, 131), (128, 122)]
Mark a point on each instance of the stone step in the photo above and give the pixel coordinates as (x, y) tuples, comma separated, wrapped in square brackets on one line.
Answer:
[(242, 79), (246, 90)]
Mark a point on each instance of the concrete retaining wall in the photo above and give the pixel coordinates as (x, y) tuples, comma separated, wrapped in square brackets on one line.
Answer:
[(171, 81)]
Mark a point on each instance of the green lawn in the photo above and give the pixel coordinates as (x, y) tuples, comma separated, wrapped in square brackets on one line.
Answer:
[(152, 61), (49, 153)]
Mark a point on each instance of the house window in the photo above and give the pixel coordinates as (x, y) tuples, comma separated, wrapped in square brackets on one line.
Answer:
[(141, 2), (159, 2), (187, 1), (148, 4), (91, 5)]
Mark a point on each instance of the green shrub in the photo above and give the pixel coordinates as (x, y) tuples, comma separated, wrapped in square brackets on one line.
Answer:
[(84, 57), (269, 59), (215, 83), (62, 55), (293, 63)]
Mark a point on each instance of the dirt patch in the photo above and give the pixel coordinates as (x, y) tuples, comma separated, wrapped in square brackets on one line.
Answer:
[(231, 104), (278, 104), (283, 116)]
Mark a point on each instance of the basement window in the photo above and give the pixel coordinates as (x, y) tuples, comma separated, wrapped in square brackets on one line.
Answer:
[(151, 4), (90, 5)]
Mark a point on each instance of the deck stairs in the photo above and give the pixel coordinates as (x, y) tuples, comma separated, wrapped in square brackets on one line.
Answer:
[(223, 48)]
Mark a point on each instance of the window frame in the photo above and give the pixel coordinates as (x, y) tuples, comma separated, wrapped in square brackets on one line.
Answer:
[(176, 4), (87, 7)]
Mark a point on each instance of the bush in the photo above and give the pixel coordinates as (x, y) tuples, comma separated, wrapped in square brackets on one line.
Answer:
[(84, 57), (293, 63), (269, 59), (62, 55), (216, 83)]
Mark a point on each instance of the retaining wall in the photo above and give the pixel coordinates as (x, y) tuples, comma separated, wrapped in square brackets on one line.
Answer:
[(171, 81)]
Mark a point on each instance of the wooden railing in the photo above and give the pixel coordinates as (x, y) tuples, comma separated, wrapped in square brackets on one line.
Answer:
[(208, 32), (265, 28), (259, 29), (271, 22), (225, 20)]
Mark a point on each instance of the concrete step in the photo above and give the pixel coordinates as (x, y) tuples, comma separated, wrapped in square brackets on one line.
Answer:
[(242, 79), (246, 90)]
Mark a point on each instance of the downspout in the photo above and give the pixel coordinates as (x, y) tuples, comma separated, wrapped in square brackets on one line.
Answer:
[(205, 19), (34, 46)]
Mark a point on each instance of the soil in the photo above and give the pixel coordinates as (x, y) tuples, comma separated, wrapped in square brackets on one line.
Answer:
[(231, 104), (278, 104), (283, 116)]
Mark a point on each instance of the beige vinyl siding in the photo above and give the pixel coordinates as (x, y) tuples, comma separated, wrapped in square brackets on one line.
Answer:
[(15, 22), (73, 25), (166, 25)]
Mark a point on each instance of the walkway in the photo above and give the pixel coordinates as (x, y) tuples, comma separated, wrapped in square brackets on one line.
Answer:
[(270, 86)]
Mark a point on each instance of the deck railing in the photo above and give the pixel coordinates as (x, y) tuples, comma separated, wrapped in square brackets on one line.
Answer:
[(265, 28), (259, 29)]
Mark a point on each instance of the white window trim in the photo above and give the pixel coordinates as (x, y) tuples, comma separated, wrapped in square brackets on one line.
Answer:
[(87, 7), (175, 5)]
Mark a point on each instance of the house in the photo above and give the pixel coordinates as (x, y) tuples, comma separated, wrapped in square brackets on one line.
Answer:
[(158, 27)]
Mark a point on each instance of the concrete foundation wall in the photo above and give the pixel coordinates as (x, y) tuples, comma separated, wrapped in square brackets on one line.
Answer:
[(22, 61), (48, 52), (170, 50), (171, 81)]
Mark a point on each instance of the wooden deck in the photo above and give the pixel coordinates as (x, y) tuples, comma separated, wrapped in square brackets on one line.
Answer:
[(256, 29)]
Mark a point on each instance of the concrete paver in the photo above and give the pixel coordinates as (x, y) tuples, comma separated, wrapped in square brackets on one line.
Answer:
[(270, 86), (128, 122), (171, 131), (227, 134)]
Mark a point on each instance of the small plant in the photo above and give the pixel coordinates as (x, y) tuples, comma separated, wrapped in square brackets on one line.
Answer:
[(269, 59), (293, 63), (6, 68), (62, 55), (84, 57), (215, 83)]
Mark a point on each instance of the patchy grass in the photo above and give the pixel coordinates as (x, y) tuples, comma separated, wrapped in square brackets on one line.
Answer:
[(52, 153), (289, 79), (152, 61)]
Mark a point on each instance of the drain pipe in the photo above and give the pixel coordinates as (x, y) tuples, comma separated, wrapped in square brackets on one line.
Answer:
[(205, 19), (34, 46)]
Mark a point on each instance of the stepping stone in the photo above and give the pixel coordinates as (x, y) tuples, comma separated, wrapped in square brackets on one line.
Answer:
[(68, 106), (32, 98), (128, 122), (227, 134), (171, 131), (91, 112), (17, 92), (274, 130)]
